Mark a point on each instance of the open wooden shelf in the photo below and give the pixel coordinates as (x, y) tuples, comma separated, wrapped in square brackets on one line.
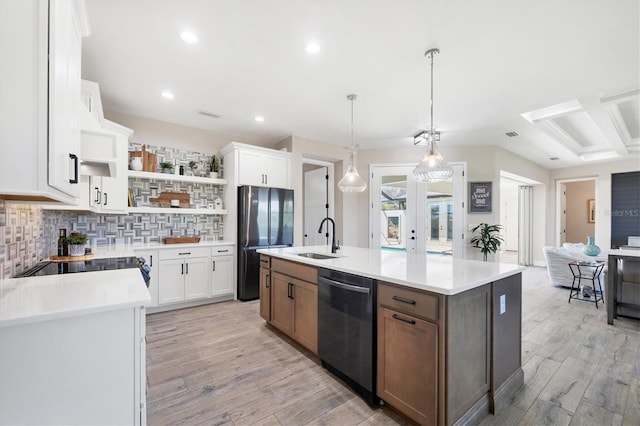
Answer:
[(169, 210), (176, 178)]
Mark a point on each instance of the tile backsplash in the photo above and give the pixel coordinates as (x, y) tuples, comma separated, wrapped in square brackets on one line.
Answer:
[(22, 232), (29, 233)]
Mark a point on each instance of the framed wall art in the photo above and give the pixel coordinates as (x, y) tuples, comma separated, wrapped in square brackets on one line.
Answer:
[(480, 197)]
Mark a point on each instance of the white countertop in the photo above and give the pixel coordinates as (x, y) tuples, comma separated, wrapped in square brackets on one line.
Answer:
[(154, 246), (624, 252), (436, 273)]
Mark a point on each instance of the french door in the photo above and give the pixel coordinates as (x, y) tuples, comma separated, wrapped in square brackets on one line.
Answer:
[(415, 217)]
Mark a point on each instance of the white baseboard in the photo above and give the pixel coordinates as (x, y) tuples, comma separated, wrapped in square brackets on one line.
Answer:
[(539, 263)]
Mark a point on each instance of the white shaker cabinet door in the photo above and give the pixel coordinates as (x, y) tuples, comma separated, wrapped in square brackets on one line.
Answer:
[(222, 279), (197, 281), (171, 281), (251, 168)]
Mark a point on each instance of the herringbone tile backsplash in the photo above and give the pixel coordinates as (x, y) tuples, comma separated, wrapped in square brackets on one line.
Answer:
[(22, 232)]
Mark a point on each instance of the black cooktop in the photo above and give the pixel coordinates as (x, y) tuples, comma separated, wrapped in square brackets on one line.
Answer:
[(55, 268)]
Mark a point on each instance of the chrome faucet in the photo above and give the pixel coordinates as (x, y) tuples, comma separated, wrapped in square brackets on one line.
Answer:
[(334, 246)]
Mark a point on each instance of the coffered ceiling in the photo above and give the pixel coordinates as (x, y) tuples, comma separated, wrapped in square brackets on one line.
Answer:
[(564, 75)]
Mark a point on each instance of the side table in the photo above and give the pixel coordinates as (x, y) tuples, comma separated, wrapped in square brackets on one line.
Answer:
[(589, 271)]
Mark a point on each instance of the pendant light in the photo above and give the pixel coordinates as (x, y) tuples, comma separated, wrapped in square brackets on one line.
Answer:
[(352, 182), (432, 167)]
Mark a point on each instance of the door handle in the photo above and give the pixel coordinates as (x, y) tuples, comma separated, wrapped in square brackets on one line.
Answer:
[(268, 278), (97, 194), (412, 322), (105, 198), (214, 266), (75, 160), (266, 179), (413, 238)]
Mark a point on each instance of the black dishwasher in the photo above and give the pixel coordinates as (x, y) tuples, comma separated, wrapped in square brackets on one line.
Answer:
[(346, 330)]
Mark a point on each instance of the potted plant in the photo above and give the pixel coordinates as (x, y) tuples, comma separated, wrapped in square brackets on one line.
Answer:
[(76, 242), (489, 239), (214, 166), (166, 166)]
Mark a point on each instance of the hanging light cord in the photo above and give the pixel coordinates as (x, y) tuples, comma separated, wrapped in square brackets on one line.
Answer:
[(430, 53)]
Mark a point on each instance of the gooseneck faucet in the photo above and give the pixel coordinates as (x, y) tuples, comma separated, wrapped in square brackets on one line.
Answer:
[(334, 246)]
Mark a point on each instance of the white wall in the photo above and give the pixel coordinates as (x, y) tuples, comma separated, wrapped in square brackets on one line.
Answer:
[(602, 172)]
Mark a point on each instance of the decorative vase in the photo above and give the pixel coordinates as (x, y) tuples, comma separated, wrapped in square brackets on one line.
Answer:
[(136, 163), (76, 249), (590, 249)]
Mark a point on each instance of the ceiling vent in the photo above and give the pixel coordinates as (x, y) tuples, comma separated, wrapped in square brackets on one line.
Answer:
[(512, 134), (554, 158), (208, 114)]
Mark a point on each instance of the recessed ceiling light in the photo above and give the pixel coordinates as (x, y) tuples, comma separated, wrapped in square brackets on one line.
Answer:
[(167, 95), (312, 48), (189, 37), (259, 119)]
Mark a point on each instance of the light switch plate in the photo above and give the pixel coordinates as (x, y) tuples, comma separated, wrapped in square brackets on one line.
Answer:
[(503, 303)]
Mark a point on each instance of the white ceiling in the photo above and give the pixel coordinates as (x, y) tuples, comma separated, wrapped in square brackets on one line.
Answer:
[(565, 75)]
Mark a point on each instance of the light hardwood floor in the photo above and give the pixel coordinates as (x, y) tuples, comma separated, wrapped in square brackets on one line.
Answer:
[(220, 364)]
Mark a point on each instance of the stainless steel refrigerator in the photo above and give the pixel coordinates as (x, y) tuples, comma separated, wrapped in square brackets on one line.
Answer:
[(265, 220)]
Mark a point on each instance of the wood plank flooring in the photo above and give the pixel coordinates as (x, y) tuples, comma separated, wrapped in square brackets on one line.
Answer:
[(221, 365)]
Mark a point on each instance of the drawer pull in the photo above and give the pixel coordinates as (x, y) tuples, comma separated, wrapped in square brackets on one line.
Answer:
[(403, 300), (264, 261), (412, 322), (184, 253), (223, 251)]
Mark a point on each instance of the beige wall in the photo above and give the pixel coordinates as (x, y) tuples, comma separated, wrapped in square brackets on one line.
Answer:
[(162, 133), (601, 172), (578, 226)]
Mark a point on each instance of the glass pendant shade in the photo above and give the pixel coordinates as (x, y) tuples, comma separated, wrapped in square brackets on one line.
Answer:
[(352, 181), (432, 167)]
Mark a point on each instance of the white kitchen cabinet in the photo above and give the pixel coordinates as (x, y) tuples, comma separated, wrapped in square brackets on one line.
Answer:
[(254, 165), (81, 369), (40, 57), (183, 274), (151, 258), (222, 271), (260, 169)]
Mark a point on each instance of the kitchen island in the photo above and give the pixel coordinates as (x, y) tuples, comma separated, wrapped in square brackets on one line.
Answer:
[(448, 330), (72, 348)]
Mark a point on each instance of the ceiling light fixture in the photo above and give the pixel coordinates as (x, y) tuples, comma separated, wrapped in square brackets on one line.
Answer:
[(432, 167), (167, 95), (259, 119), (352, 182), (189, 37), (602, 155), (312, 48)]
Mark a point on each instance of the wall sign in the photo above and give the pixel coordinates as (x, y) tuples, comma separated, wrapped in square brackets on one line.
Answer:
[(480, 196)]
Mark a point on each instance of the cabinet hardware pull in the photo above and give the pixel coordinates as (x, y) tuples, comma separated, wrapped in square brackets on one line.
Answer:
[(105, 198), (403, 300), (264, 261), (223, 251), (97, 200), (186, 252), (214, 266), (292, 295), (75, 168), (412, 322), (182, 273), (187, 268), (267, 281), (151, 260), (266, 179)]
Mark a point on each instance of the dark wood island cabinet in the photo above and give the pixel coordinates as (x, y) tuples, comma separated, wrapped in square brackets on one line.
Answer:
[(442, 359)]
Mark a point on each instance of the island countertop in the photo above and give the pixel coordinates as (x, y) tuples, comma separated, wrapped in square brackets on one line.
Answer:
[(436, 273)]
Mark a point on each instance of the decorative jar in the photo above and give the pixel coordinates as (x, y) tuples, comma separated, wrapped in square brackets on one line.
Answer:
[(590, 249), (136, 163), (76, 249)]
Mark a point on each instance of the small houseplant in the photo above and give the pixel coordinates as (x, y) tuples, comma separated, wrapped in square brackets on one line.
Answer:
[(214, 166), (166, 166), (76, 242), (489, 239)]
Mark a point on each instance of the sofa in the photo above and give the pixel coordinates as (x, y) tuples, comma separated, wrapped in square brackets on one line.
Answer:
[(558, 259)]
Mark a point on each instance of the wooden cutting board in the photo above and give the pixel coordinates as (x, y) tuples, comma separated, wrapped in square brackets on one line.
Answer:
[(180, 240), (164, 199), (72, 258)]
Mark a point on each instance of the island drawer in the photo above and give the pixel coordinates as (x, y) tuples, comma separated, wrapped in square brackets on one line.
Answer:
[(265, 261), (409, 301), (294, 269)]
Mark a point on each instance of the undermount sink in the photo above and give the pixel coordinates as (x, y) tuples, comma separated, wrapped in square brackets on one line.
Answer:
[(317, 256)]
